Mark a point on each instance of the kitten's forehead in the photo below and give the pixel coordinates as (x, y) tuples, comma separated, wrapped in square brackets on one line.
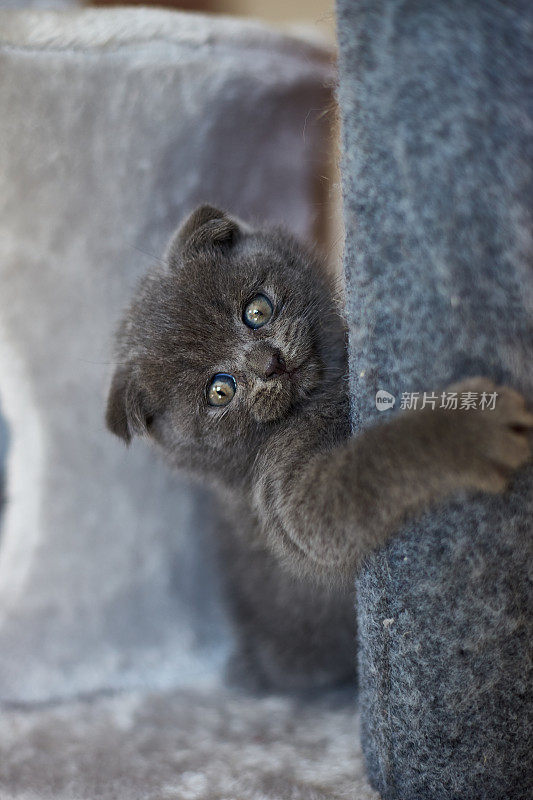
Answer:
[(212, 288), (235, 272)]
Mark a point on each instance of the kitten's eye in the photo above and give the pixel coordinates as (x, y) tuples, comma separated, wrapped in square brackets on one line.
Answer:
[(221, 390), (258, 312)]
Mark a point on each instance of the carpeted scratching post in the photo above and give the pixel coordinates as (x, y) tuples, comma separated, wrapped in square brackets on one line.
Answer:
[(436, 105)]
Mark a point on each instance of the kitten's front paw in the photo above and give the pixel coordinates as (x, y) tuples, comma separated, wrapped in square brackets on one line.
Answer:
[(499, 433)]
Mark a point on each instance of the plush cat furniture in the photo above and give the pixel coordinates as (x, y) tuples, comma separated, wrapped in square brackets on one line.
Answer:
[(113, 124), (437, 181)]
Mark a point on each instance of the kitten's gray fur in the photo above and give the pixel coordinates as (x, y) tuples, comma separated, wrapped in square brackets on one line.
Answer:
[(301, 490)]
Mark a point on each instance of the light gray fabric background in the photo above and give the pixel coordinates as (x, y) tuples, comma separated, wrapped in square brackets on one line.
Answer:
[(35, 5), (113, 125)]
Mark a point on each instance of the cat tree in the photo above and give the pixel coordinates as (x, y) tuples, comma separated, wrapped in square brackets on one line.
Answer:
[(437, 192)]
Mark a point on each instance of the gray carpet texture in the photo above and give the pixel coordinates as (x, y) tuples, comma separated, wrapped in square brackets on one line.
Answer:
[(437, 165), (184, 745)]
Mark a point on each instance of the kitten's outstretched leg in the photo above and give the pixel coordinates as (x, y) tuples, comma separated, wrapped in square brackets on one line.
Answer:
[(325, 507)]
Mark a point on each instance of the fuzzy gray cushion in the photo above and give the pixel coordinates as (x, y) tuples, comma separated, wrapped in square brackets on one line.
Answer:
[(184, 746), (437, 178), (113, 125)]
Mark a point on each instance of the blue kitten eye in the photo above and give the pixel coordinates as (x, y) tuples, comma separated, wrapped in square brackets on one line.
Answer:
[(258, 312), (221, 390)]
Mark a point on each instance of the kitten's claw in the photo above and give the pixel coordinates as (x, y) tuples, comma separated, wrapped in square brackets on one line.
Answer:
[(500, 436)]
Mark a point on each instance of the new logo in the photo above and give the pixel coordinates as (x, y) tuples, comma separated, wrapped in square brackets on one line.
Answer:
[(384, 400)]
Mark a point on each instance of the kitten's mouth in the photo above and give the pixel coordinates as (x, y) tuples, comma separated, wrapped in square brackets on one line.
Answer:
[(288, 374), (293, 372), (283, 372)]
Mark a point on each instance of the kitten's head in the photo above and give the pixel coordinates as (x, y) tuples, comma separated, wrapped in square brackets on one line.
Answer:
[(237, 331)]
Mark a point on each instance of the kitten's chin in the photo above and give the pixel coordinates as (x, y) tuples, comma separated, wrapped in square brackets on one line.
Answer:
[(272, 401)]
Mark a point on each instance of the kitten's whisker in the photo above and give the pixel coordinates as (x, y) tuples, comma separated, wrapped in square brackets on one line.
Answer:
[(147, 253)]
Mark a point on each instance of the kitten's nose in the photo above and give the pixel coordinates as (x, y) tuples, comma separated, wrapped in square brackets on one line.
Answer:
[(266, 362), (276, 366)]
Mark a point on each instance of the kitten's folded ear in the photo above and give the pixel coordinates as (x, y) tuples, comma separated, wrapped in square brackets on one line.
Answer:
[(126, 412), (206, 227)]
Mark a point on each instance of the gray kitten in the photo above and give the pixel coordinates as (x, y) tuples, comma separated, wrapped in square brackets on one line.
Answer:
[(232, 358)]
